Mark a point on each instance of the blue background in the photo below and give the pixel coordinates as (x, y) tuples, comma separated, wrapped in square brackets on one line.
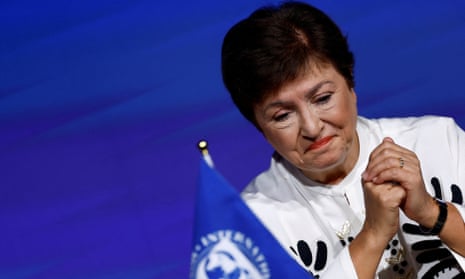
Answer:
[(102, 104)]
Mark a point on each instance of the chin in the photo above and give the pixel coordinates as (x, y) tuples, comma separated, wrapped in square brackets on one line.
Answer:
[(324, 164)]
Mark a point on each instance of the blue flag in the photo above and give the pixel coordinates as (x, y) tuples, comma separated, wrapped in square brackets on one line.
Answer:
[(230, 241)]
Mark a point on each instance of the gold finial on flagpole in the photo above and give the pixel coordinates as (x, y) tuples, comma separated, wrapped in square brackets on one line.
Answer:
[(203, 147)]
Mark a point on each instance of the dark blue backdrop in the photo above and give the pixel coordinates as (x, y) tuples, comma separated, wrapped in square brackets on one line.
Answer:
[(102, 103)]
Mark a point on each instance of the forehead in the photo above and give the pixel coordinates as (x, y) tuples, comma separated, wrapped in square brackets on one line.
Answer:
[(307, 79)]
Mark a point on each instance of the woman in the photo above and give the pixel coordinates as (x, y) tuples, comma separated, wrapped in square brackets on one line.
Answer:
[(347, 196)]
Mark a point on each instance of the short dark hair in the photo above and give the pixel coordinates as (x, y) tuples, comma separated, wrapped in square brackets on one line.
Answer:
[(276, 44)]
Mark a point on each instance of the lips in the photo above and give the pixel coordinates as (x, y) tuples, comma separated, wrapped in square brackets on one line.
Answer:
[(320, 143)]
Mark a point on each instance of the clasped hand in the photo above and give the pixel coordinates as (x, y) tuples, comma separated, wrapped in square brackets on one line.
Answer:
[(392, 181)]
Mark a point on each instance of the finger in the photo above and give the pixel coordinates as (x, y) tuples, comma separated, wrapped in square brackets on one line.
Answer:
[(394, 169), (398, 195), (409, 178), (388, 139), (385, 143), (386, 161), (394, 176), (380, 164), (387, 149), (387, 155), (388, 143), (384, 195)]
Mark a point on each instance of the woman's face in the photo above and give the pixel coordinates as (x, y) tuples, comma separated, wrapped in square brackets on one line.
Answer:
[(312, 123)]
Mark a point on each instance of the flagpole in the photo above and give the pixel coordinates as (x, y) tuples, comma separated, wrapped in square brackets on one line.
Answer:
[(229, 240), (203, 147)]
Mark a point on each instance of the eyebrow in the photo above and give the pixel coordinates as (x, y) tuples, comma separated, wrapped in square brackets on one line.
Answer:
[(310, 92)]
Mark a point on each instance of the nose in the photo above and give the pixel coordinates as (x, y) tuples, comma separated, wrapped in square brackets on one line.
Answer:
[(310, 124)]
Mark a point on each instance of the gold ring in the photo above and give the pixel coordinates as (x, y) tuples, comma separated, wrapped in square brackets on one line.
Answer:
[(402, 162)]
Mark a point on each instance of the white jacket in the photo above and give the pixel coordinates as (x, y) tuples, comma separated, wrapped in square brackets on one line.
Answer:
[(315, 223)]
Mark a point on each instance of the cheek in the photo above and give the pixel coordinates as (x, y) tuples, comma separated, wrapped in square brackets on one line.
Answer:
[(346, 116), (348, 123), (281, 140)]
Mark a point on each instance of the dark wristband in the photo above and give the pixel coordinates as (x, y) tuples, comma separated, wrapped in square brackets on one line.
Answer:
[(439, 222)]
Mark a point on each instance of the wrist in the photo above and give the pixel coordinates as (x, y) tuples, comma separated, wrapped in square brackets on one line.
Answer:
[(372, 240), (366, 251), (431, 227), (430, 213)]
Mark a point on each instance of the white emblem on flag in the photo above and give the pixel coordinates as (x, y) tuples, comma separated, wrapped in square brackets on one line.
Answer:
[(228, 254)]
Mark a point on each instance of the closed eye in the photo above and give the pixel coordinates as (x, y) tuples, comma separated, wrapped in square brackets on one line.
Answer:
[(281, 117), (321, 100)]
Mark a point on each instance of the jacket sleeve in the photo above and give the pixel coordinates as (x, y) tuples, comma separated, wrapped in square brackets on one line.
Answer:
[(341, 267), (456, 138)]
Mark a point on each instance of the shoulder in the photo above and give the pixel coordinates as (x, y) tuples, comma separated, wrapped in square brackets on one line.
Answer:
[(407, 123), (268, 186), (272, 195), (407, 128), (274, 199)]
